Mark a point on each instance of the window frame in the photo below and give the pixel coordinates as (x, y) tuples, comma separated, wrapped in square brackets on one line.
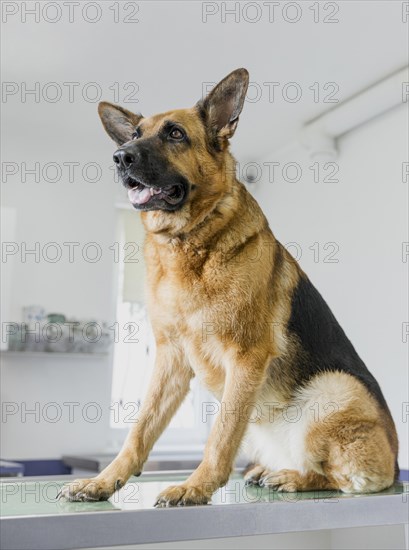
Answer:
[(183, 440)]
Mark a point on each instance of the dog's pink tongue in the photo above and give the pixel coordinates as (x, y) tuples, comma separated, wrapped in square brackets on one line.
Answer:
[(139, 196)]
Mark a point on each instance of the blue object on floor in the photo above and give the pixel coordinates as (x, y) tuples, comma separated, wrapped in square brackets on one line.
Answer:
[(44, 467), (10, 469), (404, 475)]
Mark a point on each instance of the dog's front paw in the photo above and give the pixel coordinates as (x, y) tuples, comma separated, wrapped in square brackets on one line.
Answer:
[(286, 481), (89, 489), (183, 495)]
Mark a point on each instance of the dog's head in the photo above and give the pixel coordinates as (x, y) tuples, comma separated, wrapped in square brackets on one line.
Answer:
[(176, 165)]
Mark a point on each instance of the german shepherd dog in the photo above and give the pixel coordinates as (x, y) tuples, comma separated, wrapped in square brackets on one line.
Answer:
[(292, 387)]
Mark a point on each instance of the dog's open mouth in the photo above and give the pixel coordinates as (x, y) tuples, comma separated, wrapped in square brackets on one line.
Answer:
[(139, 193)]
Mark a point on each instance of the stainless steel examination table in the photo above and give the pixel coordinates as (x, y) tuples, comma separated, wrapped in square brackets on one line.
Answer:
[(31, 518)]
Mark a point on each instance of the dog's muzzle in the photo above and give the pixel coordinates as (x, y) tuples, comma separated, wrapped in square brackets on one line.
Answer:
[(140, 193), (167, 193)]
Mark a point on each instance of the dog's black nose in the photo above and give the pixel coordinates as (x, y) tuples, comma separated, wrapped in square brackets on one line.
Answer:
[(123, 158)]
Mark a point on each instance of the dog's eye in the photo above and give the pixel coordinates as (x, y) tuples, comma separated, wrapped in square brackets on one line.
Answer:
[(176, 134), (136, 135)]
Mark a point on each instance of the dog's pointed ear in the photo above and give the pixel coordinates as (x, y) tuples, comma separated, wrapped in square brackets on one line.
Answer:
[(118, 122), (222, 106)]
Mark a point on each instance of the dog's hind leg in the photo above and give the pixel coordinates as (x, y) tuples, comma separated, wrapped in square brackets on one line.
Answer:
[(355, 446), (360, 458), (253, 473), (354, 456), (345, 441), (292, 481)]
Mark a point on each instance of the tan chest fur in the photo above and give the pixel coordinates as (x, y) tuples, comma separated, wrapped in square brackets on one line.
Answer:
[(185, 310), (220, 291)]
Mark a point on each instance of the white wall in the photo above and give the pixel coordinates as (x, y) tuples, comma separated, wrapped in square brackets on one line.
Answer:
[(365, 214), (78, 211)]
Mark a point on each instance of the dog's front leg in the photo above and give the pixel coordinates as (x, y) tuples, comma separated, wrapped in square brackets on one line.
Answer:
[(243, 380), (168, 387)]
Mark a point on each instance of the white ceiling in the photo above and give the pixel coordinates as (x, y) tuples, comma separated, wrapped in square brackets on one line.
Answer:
[(170, 52)]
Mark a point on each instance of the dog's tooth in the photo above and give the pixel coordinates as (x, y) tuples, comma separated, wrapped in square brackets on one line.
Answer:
[(151, 191)]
